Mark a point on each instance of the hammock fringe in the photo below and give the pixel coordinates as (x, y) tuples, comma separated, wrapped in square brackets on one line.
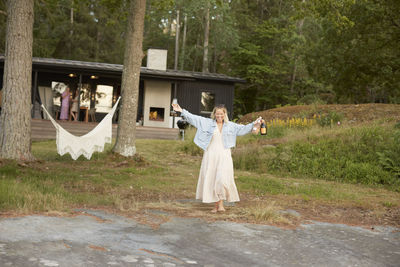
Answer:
[(87, 144)]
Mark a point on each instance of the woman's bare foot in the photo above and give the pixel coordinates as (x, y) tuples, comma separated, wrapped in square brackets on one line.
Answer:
[(215, 209), (220, 206)]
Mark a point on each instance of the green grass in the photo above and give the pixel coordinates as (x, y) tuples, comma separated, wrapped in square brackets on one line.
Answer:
[(303, 164), (262, 185), (58, 183), (360, 155), (265, 212)]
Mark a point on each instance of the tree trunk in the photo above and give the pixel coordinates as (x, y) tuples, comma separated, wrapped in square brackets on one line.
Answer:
[(196, 46), (293, 78), (98, 37), (214, 64), (125, 144), (71, 32), (177, 30), (184, 43), (15, 118), (206, 35)]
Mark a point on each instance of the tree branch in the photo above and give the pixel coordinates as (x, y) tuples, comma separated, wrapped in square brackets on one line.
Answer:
[(3, 12), (394, 22)]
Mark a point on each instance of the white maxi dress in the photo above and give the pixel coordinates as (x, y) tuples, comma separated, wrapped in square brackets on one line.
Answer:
[(216, 181)]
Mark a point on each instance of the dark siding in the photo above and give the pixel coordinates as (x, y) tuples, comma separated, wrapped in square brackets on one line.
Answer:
[(140, 112), (189, 95)]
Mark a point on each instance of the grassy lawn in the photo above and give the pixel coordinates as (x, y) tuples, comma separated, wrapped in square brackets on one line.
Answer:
[(163, 176)]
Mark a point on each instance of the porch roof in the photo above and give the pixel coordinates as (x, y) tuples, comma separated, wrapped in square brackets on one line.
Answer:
[(57, 65)]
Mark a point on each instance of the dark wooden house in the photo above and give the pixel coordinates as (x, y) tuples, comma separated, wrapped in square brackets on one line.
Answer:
[(99, 86)]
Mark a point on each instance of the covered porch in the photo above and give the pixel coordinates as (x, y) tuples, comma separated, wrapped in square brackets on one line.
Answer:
[(44, 130)]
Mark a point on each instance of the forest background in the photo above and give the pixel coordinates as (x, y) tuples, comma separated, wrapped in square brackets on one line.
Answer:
[(289, 51)]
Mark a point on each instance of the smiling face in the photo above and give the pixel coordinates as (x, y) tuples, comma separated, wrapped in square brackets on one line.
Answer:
[(219, 115)]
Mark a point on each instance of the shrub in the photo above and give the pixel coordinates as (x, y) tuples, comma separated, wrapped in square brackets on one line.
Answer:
[(253, 157), (299, 123), (188, 146), (311, 99), (367, 155), (276, 131), (329, 119), (389, 159)]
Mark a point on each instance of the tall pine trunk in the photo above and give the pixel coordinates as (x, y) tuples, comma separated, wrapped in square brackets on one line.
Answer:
[(125, 144), (293, 78), (177, 30), (196, 53), (215, 53), (206, 36), (184, 43), (15, 118)]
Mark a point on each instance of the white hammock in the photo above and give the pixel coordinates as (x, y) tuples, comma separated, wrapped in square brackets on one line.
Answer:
[(87, 144)]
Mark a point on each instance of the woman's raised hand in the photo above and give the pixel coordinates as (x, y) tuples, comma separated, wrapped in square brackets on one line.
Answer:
[(176, 107), (258, 121)]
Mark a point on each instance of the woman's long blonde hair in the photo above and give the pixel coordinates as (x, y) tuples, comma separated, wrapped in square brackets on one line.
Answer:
[(226, 119)]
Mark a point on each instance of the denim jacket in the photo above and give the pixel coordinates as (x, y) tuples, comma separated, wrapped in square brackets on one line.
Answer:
[(206, 127)]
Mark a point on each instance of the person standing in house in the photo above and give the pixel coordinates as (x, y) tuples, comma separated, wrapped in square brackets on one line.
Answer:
[(65, 98), (216, 136), (74, 107)]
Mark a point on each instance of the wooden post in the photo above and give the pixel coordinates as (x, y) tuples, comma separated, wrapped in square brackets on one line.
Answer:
[(79, 96)]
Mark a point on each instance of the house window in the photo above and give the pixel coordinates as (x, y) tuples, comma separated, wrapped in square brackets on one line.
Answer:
[(104, 96), (207, 102)]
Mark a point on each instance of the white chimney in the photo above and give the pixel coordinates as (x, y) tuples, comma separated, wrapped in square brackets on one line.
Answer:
[(157, 59)]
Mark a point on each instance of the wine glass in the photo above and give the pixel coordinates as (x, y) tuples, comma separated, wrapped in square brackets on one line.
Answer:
[(174, 102)]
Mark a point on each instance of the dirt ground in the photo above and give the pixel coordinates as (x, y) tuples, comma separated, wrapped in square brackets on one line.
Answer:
[(354, 113)]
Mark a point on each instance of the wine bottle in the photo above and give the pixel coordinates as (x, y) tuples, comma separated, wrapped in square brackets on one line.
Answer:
[(263, 128)]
